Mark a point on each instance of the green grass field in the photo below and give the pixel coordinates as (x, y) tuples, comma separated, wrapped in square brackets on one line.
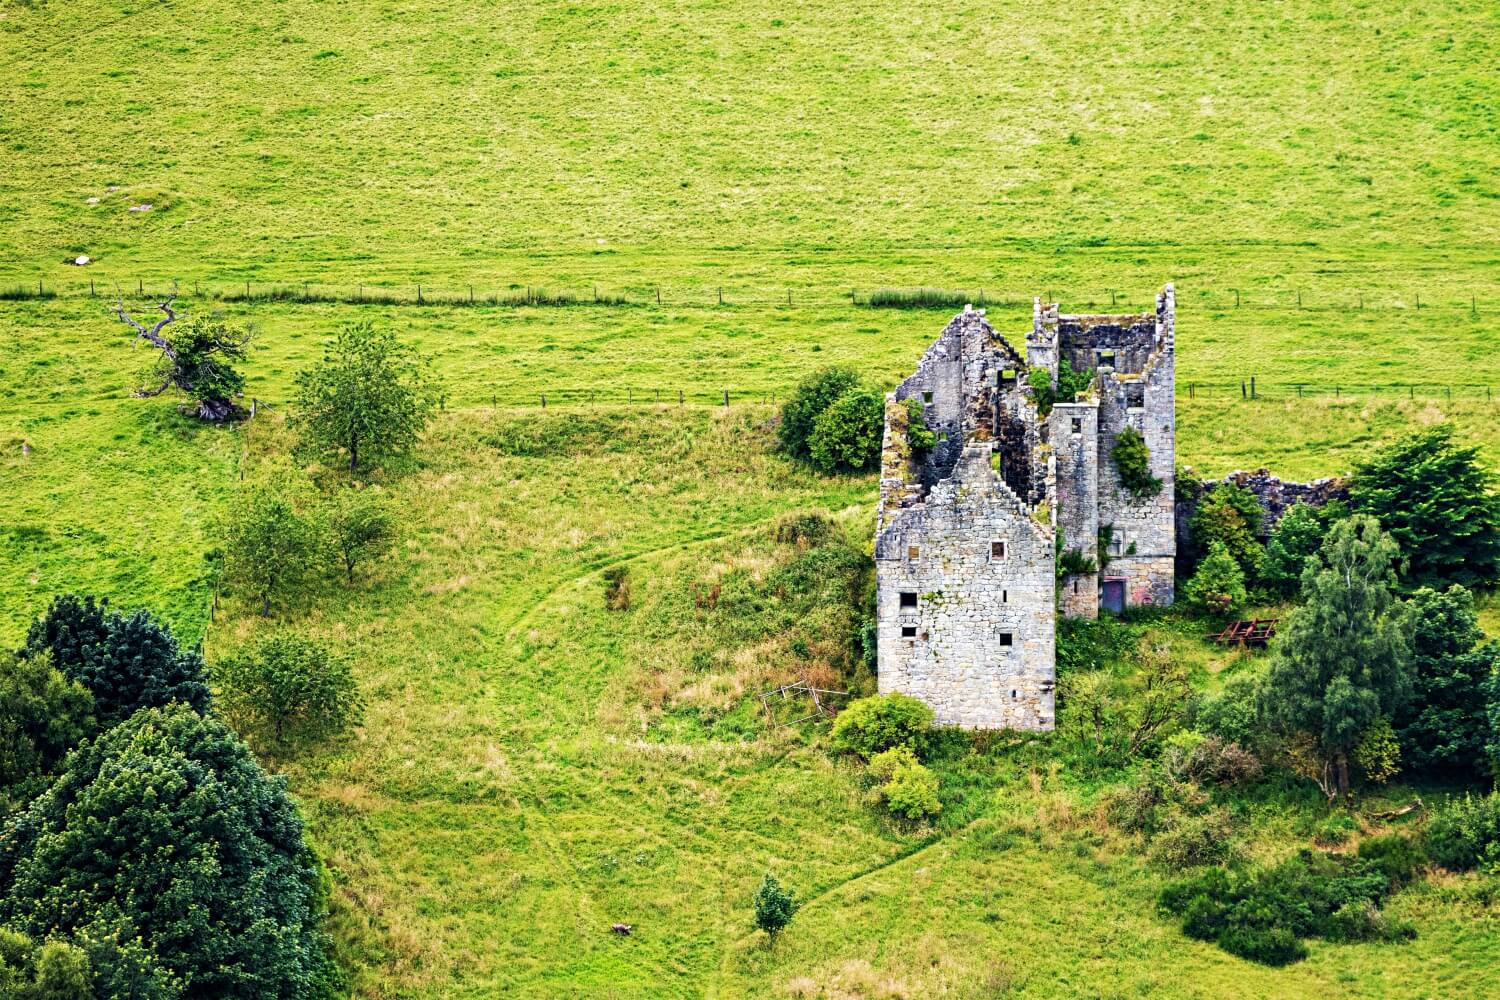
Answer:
[(1318, 178)]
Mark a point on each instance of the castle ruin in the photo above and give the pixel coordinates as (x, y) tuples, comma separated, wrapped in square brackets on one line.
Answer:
[(971, 531)]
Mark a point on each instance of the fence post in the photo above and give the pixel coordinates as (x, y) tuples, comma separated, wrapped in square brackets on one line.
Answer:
[(138, 289), (1361, 300), (1419, 300), (247, 290), (658, 295), (788, 296), (1191, 393), (1252, 386), (1111, 298), (721, 295), (658, 395), (1299, 298), (1411, 392), (726, 399), (1299, 390), (471, 295), (1236, 298), (1243, 393), (630, 397), (419, 295), (544, 400), (1337, 392), (91, 289), (679, 397)]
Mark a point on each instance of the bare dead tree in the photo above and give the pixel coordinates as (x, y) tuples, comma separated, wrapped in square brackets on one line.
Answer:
[(193, 363)]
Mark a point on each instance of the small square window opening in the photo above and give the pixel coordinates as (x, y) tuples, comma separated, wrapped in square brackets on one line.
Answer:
[(927, 397), (912, 551), (997, 550), (908, 598), (1007, 639), (908, 631)]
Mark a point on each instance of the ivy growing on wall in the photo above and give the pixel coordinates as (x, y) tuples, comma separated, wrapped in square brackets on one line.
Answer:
[(1133, 461)]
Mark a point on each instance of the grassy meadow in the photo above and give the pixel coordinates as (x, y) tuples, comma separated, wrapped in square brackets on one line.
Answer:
[(1318, 178)]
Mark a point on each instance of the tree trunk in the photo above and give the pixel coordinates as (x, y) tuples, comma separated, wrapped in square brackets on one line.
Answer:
[(265, 605), (1342, 764), (349, 567), (354, 453), (215, 410)]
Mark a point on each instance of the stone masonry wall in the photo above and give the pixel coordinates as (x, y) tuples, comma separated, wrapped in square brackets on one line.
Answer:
[(978, 643), (1075, 443)]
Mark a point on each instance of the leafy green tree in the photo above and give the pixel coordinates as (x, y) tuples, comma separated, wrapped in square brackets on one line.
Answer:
[(288, 689), (774, 906), (846, 436), (271, 547), (1344, 658), (811, 398), (1378, 752), (1439, 504), (1443, 730), (1218, 588), (1296, 536), (165, 831), (369, 397), (195, 359), (361, 527), (53, 970), (127, 662), (43, 715), (1133, 462), (1230, 515)]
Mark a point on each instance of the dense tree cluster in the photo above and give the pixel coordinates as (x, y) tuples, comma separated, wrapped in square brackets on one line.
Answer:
[(834, 422), (145, 852)]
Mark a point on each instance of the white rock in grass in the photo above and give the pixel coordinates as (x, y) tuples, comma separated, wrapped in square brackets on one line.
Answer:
[(83, 260)]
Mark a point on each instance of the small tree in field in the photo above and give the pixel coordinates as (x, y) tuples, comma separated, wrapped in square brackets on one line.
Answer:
[(816, 394), (195, 360), (1344, 661), (774, 907), (288, 690), (361, 527), (271, 547), (369, 397), (1218, 588)]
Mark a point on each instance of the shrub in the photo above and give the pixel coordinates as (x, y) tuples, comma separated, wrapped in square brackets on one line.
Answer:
[(846, 436), (1194, 756), (1132, 460), (1398, 858), (912, 791), (883, 766), (806, 530), (1218, 588), (1296, 536), (1260, 915), (881, 722), (1190, 841), (54, 970), (165, 832), (128, 662), (1465, 832), (811, 398), (774, 906), (1335, 830), (1069, 384), (1230, 515), (917, 433), (43, 715), (288, 689), (1231, 714), (1439, 730)]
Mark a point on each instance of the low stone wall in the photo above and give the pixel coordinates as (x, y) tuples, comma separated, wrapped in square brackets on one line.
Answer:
[(1276, 496)]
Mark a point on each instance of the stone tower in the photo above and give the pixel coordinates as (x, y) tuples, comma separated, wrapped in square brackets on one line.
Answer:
[(967, 532)]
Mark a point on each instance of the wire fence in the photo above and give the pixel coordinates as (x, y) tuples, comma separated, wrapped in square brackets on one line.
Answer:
[(728, 296), (1250, 391)]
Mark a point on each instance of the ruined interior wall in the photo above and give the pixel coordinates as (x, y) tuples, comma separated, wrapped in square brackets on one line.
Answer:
[(968, 601), (1131, 338), (1074, 429)]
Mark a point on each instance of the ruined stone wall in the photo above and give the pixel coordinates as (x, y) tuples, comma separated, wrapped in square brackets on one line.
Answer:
[(1145, 537), (1074, 431), (978, 643), (1126, 342)]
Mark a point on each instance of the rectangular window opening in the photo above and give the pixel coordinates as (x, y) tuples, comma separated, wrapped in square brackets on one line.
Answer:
[(1077, 425), (908, 631), (912, 551), (927, 397), (1007, 639), (1004, 597), (908, 598), (997, 550)]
